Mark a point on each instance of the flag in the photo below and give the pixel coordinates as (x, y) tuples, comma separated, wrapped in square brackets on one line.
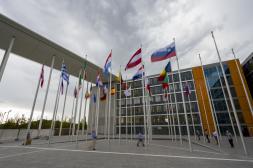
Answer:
[(139, 73), (134, 60), (168, 67), (62, 87), (64, 73), (147, 86), (75, 92), (98, 81), (113, 91), (165, 83), (162, 75), (127, 92), (94, 98), (164, 72), (105, 89), (164, 53), (108, 63), (119, 78), (42, 76)]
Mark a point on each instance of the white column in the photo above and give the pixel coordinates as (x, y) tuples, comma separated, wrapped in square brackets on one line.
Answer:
[(120, 114), (45, 98), (6, 57)]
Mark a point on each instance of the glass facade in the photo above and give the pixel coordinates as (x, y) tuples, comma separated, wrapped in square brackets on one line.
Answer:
[(219, 97), (248, 72), (166, 107)]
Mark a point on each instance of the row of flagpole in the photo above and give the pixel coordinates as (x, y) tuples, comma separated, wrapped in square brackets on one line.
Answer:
[(147, 128)]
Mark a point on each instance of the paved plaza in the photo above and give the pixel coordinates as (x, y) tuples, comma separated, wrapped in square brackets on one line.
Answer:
[(159, 153)]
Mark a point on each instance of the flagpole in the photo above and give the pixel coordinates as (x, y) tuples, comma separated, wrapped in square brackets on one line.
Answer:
[(228, 108), (66, 92), (55, 107), (231, 98), (144, 110), (202, 97), (114, 113), (80, 109), (169, 110), (45, 98), (185, 114), (178, 121), (131, 113), (84, 114), (71, 119), (193, 125), (33, 106), (209, 100), (109, 114), (105, 114), (243, 83), (173, 118), (76, 106), (215, 113), (120, 105), (98, 111), (201, 122), (167, 114), (126, 130)]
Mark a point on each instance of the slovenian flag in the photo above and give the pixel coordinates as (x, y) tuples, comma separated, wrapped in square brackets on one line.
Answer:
[(134, 60), (164, 53), (108, 63), (139, 73)]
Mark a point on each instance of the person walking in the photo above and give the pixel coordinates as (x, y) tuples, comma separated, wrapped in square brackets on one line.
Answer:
[(94, 139), (230, 138), (140, 139), (215, 135), (207, 136), (198, 134)]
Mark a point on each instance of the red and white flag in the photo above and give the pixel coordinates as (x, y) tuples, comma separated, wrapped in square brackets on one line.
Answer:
[(42, 76), (134, 60)]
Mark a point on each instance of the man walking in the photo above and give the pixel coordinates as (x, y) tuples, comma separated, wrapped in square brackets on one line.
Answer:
[(140, 139), (230, 138), (207, 136), (94, 139)]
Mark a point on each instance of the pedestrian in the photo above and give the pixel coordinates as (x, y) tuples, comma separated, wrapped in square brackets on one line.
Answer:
[(230, 138), (140, 139), (94, 139), (207, 136), (198, 134), (215, 135)]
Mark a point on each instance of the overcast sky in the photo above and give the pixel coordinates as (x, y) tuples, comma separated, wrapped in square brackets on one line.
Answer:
[(95, 27)]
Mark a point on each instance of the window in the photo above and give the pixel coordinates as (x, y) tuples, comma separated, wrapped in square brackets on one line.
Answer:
[(186, 76)]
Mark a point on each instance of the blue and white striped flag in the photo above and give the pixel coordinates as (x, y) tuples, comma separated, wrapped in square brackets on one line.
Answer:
[(64, 73)]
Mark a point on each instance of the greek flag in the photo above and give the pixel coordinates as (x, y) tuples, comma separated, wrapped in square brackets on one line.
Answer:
[(64, 73)]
